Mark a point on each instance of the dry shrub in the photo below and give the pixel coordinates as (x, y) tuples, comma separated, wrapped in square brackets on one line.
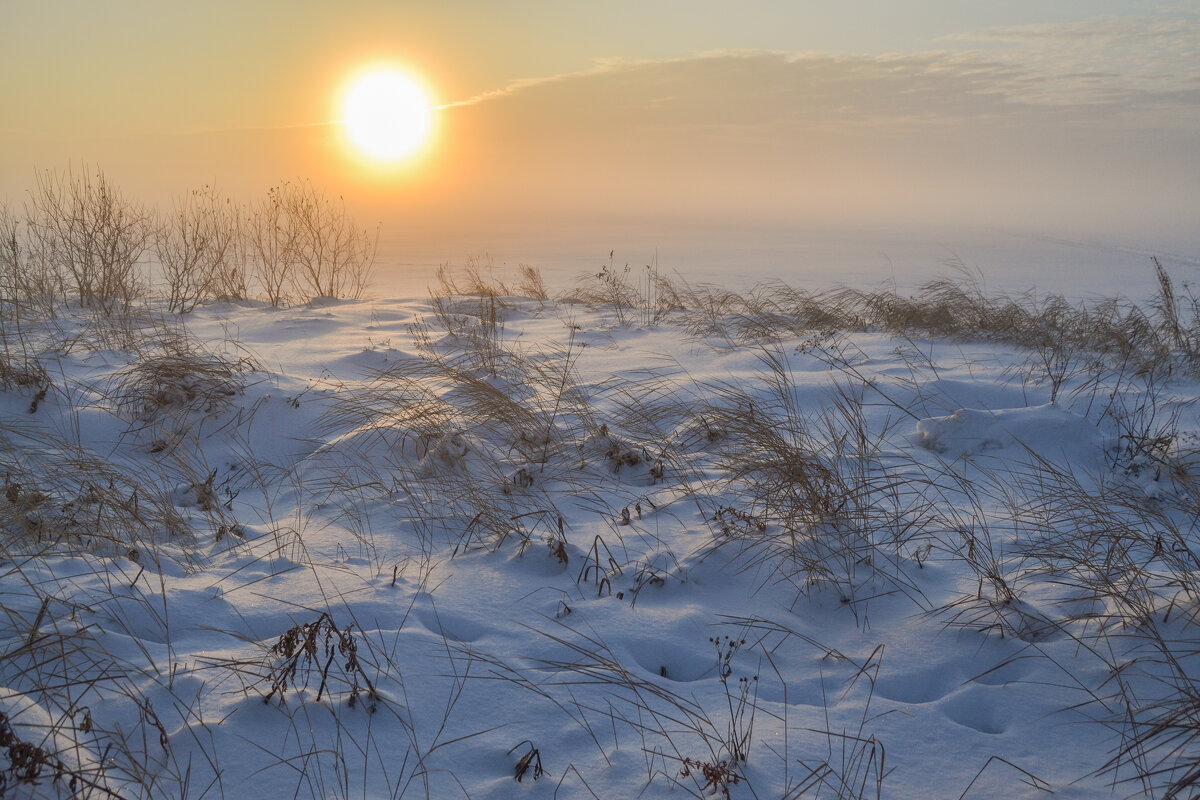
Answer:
[(304, 243), (311, 648), (91, 237), (195, 246)]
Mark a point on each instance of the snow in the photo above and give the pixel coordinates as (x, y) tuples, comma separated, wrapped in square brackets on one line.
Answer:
[(972, 432), (563, 558)]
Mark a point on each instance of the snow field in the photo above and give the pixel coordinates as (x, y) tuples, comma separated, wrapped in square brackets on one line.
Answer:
[(496, 546)]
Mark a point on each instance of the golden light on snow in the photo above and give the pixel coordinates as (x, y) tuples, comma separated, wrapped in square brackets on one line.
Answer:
[(387, 114)]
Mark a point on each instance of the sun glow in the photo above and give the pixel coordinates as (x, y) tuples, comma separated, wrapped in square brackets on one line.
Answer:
[(387, 114)]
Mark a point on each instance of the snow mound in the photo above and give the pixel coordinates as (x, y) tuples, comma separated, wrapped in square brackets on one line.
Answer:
[(1048, 431)]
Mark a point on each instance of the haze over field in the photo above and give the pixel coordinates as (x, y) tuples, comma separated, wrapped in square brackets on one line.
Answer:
[(714, 134)]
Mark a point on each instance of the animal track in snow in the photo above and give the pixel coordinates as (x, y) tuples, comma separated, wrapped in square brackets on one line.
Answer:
[(675, 662), (454, 627), (917, 687), (979, 708)]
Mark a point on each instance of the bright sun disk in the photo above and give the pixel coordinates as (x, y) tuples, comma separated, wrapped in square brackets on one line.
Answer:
[(387, 115)]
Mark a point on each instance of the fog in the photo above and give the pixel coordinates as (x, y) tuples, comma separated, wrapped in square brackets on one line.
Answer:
[(1030, 144)]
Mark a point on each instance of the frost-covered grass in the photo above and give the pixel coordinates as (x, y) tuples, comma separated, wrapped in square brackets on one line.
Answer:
[(642, 538)]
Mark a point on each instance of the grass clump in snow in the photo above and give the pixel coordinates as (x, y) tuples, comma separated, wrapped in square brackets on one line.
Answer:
[(174, 373), (825, 502)]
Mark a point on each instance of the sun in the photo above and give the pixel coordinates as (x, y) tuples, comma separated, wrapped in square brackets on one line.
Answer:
[(387, 114)]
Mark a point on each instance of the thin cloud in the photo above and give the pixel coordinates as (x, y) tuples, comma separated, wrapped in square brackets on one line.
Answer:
[(1134, 60), (603, 66), (756, 89), (1062, 70)]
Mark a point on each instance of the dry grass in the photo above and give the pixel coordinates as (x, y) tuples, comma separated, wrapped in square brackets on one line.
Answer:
[(642, 296), (1150, 336), (175, 374), (61, 495), (821, 500)]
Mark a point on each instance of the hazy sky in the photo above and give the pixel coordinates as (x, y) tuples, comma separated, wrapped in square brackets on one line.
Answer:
[(1064, 118)]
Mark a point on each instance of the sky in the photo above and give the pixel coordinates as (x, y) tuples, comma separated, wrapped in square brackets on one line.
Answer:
[(580, 123)]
